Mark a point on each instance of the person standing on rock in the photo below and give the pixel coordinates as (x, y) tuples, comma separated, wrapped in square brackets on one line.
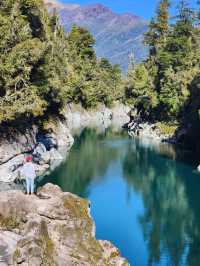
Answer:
[(28, 171)]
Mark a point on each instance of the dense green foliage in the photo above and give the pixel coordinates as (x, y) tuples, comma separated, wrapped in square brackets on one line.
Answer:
[(91, 80), (164, 85), (42, 68)]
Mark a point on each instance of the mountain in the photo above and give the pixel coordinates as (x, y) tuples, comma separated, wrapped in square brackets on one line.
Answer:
[(117, 35), (51, 4)]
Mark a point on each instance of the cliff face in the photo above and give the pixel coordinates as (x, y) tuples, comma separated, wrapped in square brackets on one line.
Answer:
[(117, 35), (48, 147), (54, 228)]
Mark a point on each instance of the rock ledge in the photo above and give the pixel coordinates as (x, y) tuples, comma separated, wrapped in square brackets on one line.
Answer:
[(53, 228)]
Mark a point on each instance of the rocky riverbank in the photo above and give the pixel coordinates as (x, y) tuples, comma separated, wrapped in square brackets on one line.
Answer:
[(53, 228), (152, 131), (48, 149), (157, 133), (51, 145)]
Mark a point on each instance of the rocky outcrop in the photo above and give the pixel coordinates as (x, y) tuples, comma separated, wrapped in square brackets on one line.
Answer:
[(78, 117), (50, 147), (53, 228), (142, 129), (48, 150)]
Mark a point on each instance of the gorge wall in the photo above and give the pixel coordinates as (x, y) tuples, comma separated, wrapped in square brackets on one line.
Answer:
[(51, 145)]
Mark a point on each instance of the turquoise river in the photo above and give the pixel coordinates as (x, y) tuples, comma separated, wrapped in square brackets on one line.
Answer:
[(143, 198)]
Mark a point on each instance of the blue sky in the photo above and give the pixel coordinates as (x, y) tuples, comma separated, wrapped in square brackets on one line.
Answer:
[(144, 8)]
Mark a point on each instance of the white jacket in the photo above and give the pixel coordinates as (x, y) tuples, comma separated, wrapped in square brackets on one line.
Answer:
[(28, 170)]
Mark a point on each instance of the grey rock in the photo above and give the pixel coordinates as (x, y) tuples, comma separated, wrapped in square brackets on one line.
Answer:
[(50, 149), (10, 170), (41, 155), (14, 142), (8, 242), (54, 228), (146, 130), (14, 148), (101, 117)]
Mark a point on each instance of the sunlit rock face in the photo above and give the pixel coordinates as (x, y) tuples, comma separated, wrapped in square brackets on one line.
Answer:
[(117, 35), (53, 228)]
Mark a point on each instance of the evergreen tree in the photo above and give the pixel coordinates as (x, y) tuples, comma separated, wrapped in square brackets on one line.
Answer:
[(179, 63), (158, 27), (172, 64), (95, 81), (139, 90), (42, 68)]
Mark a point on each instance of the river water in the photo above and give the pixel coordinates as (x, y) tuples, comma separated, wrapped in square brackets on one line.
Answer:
[(142, 199)]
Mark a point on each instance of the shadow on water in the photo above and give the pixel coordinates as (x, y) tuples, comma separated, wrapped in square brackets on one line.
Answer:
[(143, 200), (170, 193)]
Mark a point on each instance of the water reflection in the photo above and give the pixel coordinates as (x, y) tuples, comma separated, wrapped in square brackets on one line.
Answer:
[(169, 224), (88, 159), (151, 200)]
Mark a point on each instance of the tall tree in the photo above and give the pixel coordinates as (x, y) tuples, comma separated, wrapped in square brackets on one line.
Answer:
[(158, 27)]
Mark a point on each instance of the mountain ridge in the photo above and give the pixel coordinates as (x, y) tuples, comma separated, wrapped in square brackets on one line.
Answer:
[(117, 35)]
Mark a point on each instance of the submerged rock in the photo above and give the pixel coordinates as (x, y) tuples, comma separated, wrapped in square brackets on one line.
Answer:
[(53, 228)]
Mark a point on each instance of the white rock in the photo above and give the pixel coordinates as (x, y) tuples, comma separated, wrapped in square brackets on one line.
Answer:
[(10, 170), (15, 143)]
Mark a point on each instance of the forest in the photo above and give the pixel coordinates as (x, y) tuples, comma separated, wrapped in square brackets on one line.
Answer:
[(42, 68), (166, 87)]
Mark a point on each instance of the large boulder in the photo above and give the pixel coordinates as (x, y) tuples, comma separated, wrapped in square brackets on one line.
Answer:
[(8, 242), (40, 154), (13, 142), (53, 228)]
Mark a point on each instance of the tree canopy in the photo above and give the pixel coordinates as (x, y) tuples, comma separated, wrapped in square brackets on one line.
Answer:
[(172, 64), (42, 68)]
